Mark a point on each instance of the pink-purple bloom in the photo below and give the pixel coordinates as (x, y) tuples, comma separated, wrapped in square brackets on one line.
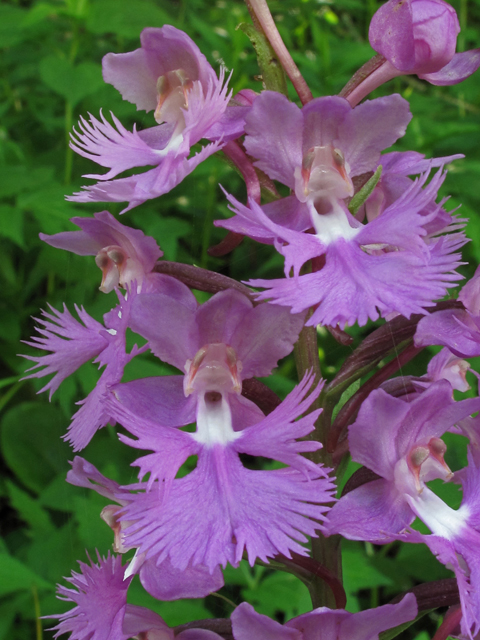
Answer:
[(101, 612), (170, 76), (420, 37), (401, 442), (123, 254), (398, 262), (323, 623)]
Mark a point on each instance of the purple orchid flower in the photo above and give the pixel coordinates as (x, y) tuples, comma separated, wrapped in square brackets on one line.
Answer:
[(226, 335), (457, 329), (71, 344), (261, 512), (420, 37), (101, 611), (323, 623), (395, 263), (264, 512), (401, 442), (170, 76), (123, 254), (162, 581)]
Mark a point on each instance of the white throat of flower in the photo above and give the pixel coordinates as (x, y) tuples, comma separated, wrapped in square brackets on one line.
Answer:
[(426, 462), (323, 181), (214, 374), (173, 90)]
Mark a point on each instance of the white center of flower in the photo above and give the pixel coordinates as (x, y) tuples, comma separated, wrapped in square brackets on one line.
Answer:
[(213, 374)]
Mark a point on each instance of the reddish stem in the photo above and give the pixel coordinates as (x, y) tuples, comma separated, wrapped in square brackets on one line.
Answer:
[(450, 623), (201, 279), (261, 11), (237, 155)]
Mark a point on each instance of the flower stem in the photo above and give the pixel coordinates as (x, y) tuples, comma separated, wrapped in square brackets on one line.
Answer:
[(259, 10)]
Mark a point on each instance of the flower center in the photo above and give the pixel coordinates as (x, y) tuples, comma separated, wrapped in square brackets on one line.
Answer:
[(213, 374), (214, 368), (323, 174), (118, 268), (426, 462), (172, 93)]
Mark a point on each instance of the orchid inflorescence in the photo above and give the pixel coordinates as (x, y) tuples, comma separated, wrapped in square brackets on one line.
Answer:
[(364, 236)]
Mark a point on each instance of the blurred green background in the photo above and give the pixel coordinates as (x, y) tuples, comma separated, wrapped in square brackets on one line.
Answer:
[(50, 74)]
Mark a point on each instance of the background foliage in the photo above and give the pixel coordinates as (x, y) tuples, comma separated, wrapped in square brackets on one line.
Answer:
[(51, 73)]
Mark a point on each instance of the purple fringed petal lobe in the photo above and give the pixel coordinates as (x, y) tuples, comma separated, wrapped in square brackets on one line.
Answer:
[(84, 474), (355, 286), (287, 212), (463, 560), (169, 326), (274, 136), (171, 446), (113, 147), (276, 435), (160, 400), (264, 512), (135, 74), (370, 128), (460, 67), (301, 247), (153, 183), (71, 343), (100, 595), (452, 328), (248, 624), (376, 511), (391, 34), (167, 583)]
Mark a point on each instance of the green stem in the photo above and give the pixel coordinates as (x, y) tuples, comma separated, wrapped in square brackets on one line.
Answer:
[(38, 622), (69, 151)]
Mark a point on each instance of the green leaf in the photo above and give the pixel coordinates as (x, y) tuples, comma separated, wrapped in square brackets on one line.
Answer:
[(273, 75), (346, 395), (358, 572), (11, 25), (365, 192), (71, 82), (32, 445), (15, 576), (29, 510), (11, 224), (279, 592), (125, 18)]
